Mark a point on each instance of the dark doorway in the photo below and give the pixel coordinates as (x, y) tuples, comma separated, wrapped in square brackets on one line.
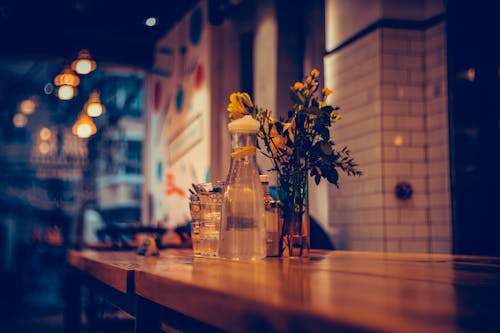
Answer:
[(474, 115)]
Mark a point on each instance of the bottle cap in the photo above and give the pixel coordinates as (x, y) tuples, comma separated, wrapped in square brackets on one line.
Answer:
[(244, 124)]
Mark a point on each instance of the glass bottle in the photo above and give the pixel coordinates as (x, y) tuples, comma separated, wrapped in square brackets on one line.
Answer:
[(272, 219), (243, 228)]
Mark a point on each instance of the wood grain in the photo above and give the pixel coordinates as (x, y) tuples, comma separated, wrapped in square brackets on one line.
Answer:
[(330, 291)]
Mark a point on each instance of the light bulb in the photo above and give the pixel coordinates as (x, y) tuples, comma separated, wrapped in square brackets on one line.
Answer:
[(20, 120), (45, 134), (94, 109), (83, 66), (84, 131), (65, 92)]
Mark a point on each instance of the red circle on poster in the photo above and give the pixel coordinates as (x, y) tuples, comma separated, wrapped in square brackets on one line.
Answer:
[(157, 96), (199, 77)]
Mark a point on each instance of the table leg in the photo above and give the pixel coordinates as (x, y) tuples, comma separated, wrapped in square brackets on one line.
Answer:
[(72, 302), (147, 318)]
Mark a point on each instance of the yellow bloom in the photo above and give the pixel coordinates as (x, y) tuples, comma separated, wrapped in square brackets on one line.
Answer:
[(298, 86), (334, 117), (315, 73), (309, 79), (277, 140), (238, 103), (322, 104), (245, 98), (327, 92)]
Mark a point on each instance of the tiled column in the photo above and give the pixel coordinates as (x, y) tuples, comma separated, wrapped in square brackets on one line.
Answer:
[(391, 85)]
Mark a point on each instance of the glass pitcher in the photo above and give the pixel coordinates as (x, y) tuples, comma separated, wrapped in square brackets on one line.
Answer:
[(243, 228)]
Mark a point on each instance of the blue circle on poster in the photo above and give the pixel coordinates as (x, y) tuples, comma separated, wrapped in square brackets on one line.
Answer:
[(196, 26), (179, 99), (207, 174), (159, 171)]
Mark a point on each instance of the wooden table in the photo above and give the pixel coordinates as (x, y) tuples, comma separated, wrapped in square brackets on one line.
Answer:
[(331, 291)]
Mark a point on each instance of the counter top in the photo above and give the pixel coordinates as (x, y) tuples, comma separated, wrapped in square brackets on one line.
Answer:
[(329, 291)]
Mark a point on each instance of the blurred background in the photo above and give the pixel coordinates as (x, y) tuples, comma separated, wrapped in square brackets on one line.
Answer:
[(51, 177), (118, 139)]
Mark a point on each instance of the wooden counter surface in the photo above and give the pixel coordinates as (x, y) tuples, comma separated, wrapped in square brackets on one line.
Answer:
[(330, 291), (113, 268)]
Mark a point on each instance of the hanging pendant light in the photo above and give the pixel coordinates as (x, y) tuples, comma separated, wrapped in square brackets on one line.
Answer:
[(94, 107), (67, 77), (66, 92), (84, 63), (66, 82), (84, 126)]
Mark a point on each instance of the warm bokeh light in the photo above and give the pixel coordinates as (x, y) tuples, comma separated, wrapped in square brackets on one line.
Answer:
[(84, 127), (67, 77), (27, 106), (84, 63), (471, 74), (44, 148), (151, 21), (45, 134), (83, 66), (65, 92), (20, 120), (398, 140), (94, 107)]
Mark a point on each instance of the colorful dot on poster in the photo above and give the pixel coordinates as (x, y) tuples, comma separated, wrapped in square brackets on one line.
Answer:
[(159, 171), (196, 26), (199, 77), (157, 96), (179, 99)]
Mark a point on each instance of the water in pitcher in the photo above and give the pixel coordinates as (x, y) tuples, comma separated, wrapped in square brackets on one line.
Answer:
[(243, 228)]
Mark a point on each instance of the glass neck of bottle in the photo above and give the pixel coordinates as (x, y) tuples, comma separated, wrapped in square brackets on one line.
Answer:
[(243, 145)]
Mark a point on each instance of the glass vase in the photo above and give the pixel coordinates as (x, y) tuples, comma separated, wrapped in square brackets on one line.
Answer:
[(294, 208)]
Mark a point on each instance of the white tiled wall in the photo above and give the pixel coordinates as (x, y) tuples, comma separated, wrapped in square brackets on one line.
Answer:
[(391, 86)]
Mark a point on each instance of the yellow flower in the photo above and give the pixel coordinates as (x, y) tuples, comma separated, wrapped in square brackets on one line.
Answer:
[(245, 98), (277, 140), (309, 79), (334, 117), (315, 73), (327, 92), (298, 86), (238, 103)]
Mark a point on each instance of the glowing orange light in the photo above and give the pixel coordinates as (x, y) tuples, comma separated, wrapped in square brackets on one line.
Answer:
[(94, 107), (84, 63), (67, 77), (27, 106), (45, 134), (84, 127), (20, 120), (44, 148), (398, 140), (66, 92)]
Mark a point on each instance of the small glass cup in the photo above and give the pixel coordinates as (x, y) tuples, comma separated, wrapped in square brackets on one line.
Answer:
[(210, 213), (209, 228), (195, 210)]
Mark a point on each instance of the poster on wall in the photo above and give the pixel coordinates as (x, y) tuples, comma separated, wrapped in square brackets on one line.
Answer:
[(180, 141)]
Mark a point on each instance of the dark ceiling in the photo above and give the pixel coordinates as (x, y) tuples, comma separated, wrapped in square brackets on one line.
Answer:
[(113, 31)]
